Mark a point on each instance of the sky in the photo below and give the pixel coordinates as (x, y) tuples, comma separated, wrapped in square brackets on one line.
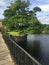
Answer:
[(43, 16)]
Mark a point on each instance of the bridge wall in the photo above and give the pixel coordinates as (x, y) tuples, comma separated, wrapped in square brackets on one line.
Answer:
[(20, 56)]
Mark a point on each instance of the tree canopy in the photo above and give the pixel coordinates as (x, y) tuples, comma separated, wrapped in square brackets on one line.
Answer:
[(19, 17)]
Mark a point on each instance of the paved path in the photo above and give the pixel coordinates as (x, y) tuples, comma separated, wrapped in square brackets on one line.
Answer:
[(5, 58)]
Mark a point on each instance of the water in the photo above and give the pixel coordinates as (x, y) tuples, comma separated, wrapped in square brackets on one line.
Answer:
[(38, 47)]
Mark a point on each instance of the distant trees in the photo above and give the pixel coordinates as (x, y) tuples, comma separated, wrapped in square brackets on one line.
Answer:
[(46, 29), (19, 17)]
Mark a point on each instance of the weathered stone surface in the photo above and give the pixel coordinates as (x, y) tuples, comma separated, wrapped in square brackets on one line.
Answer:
[(5, 57), (19, 38)]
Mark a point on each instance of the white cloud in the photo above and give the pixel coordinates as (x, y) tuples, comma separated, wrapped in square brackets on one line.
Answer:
[(2, 3), (43, 16), (2, 7), (44, 7), (44, 19)]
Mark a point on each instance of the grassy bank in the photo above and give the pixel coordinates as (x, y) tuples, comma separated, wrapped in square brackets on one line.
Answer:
[(15, 33)]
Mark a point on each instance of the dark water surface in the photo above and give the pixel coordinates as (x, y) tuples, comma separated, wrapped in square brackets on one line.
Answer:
[(38, 47)]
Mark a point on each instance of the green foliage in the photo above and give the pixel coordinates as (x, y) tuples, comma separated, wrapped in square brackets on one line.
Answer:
[(19, 17), (36, 9), (46, 29), (15, 33)]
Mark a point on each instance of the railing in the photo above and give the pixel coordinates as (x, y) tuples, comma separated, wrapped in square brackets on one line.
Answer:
[(21, 56)]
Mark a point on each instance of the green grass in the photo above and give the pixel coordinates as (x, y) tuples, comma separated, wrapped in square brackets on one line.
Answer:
[(15, 33)]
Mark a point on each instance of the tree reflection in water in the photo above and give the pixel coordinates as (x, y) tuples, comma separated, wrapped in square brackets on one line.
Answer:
[(34, 49)]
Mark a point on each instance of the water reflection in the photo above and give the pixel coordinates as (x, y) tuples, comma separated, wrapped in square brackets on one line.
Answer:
[(38, 47), (34, 49)]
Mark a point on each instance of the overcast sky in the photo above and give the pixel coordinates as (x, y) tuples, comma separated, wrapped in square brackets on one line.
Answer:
[(43, 16)]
